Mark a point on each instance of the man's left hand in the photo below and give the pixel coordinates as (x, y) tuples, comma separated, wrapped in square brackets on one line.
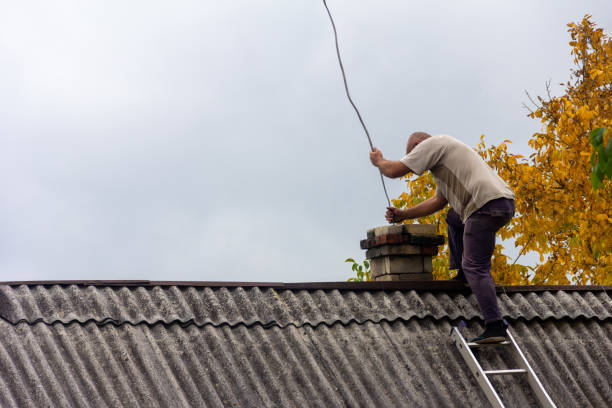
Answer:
[(376, 156), (395, 215)]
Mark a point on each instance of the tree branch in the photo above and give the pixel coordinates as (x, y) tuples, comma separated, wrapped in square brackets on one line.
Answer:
[(523, 249), (532, 101), (548, 89)]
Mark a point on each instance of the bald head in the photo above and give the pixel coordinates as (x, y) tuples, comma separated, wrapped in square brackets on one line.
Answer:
[(415, 139)]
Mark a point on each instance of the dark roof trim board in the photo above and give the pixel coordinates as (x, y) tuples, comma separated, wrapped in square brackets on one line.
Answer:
[(353, 286)]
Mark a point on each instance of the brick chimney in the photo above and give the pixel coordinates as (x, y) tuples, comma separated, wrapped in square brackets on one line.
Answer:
[(402, 252)]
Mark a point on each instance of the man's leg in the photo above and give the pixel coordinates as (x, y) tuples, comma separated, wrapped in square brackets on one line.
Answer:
[(479, 243), (454, 227)]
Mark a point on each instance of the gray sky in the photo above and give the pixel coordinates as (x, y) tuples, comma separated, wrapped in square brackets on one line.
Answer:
[(210, 140)]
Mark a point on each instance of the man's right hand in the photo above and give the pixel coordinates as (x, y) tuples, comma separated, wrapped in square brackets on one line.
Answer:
[(375, 156), (395, 215)]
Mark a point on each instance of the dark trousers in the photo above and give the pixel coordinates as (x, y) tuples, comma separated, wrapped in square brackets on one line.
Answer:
[(471, 247)]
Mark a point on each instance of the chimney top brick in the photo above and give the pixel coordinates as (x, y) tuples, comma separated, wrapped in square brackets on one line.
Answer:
[(402, 252)]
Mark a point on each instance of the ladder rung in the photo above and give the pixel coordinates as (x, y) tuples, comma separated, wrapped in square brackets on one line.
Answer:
[(476, 345), (505, 372)]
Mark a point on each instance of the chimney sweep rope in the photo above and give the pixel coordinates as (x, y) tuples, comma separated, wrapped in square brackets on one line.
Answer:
[(349, 96)]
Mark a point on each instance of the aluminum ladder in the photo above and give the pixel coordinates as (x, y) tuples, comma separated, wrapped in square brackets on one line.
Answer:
[(482, 376)]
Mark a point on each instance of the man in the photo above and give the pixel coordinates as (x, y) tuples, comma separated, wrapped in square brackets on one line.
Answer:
[(481, 203)]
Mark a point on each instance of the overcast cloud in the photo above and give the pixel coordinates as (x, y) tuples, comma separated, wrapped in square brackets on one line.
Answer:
[(210, 140)]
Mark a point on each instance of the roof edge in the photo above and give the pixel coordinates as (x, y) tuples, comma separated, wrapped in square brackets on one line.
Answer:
[(414, 285)]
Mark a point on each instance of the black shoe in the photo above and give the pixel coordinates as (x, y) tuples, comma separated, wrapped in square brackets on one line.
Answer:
[(495, 332), (460, 277)]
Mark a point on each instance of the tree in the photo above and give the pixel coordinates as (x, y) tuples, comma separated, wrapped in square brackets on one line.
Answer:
[(560, 215)]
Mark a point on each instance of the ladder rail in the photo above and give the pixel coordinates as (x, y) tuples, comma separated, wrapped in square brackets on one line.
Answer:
[(476, 369), (532, 378)]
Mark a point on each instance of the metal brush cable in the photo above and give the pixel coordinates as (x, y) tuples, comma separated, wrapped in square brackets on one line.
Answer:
[(349, 96)]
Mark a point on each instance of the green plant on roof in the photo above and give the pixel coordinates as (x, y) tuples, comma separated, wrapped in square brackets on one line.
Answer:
[(362, 271)]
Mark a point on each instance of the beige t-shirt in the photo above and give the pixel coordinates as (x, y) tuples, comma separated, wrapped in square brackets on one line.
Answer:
[(462, 177)]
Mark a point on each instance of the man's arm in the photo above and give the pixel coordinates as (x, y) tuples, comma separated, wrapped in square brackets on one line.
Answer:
[(389, 168), (427, 207)]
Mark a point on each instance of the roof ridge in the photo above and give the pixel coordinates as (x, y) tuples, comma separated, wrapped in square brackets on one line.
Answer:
[(443, 285)]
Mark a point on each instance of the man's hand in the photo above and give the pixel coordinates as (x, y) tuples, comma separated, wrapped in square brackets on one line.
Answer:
[(376, 156), (389, 168), (395, 215), (427, 207)]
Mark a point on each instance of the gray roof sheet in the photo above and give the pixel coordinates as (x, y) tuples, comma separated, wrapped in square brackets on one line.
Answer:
[(175, 346), (387, 364), (269, 306)]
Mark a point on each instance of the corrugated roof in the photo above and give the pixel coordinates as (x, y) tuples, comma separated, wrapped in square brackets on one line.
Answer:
[(269, 306), (65, 345), (398, 364)]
